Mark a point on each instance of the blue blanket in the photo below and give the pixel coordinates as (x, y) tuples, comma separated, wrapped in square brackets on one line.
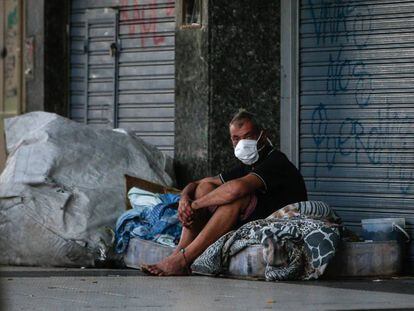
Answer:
[(154, 223)]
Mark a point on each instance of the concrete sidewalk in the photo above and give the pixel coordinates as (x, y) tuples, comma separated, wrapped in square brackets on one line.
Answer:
[(99, 289)]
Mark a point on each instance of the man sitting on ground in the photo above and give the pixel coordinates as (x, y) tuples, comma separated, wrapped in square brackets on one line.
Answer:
[(264, 182)]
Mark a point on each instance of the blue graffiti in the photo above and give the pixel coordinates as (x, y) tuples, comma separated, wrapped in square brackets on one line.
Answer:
[(406, 174), (350, 140), (342, 71), (336, 21), (343, 139), (354, 140), (329, 20), (339, 73)]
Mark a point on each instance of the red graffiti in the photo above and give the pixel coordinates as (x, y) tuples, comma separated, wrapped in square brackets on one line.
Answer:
[(170, 11), (124, 14), (144, 21)]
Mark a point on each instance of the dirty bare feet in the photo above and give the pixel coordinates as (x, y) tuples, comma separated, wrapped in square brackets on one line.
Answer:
[(174, 264)]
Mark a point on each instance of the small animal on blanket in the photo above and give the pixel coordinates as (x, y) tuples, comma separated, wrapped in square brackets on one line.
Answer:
[(275, 254)]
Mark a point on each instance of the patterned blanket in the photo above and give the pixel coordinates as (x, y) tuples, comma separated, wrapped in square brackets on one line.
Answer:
[(298, 242)]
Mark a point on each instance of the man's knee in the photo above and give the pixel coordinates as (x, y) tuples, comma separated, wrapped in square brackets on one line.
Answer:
[(203, 188)]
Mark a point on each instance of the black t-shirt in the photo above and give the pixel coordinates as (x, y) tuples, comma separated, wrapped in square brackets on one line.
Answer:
[(283, 182)]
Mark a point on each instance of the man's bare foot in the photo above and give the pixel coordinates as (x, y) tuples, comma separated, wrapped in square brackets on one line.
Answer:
[(174, 264)]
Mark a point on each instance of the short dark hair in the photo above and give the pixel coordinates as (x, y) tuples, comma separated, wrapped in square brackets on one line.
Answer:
[(242, 116)]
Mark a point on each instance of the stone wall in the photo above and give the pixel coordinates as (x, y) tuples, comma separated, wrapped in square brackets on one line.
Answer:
[(191, 105), (245, 64), (231, 62)]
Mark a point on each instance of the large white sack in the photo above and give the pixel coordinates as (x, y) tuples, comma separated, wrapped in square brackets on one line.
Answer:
[(63, 184)]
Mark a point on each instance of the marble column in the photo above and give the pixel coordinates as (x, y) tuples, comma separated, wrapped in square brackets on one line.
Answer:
[(232, 61)]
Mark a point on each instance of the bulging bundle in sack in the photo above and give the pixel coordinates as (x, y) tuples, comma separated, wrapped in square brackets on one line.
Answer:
[(63, 187)]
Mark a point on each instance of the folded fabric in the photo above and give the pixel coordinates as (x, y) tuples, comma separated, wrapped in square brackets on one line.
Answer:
[(146, 220), (140, 198), (296, 246), (312, 209)]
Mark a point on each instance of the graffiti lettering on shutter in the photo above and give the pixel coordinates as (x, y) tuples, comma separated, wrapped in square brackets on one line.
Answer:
[(346, 27), (143, 20)]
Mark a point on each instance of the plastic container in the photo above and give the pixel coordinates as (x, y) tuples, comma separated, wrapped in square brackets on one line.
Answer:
[(247, 263), (357, 259), (384, 229), (145, 252)]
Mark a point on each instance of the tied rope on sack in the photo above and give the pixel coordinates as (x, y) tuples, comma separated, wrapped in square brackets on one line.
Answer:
[(299, 240)]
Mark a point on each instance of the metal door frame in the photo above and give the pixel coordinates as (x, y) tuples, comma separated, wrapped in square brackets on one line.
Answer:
[(116, 41), (2, 46), (289, 93)]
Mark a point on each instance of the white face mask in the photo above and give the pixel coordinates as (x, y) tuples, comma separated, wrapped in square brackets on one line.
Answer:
[(246, 150)]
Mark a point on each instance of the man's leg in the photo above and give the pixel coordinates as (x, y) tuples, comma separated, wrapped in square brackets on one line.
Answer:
[(200, 218), (223, 220)]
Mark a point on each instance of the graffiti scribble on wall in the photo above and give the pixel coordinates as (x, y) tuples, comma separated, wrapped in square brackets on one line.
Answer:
[(343, 29), (143, 19)]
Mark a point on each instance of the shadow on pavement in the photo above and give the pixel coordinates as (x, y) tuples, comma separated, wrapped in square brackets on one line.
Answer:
[(398, 285)]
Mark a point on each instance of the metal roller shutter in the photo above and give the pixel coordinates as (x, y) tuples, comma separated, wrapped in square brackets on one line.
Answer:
[(122, 67), (356, 107)]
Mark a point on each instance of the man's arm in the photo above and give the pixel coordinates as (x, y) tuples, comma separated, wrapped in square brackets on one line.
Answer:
[(189, 190), (188, 195), (230, 191)]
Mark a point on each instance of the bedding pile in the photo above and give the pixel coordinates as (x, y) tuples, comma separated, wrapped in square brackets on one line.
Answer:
[(298, 241)]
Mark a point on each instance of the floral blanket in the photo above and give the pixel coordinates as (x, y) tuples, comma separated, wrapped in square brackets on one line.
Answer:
[(298, 241)]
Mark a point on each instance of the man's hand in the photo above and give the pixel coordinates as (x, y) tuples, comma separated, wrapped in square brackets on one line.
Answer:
[(185, 212)]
